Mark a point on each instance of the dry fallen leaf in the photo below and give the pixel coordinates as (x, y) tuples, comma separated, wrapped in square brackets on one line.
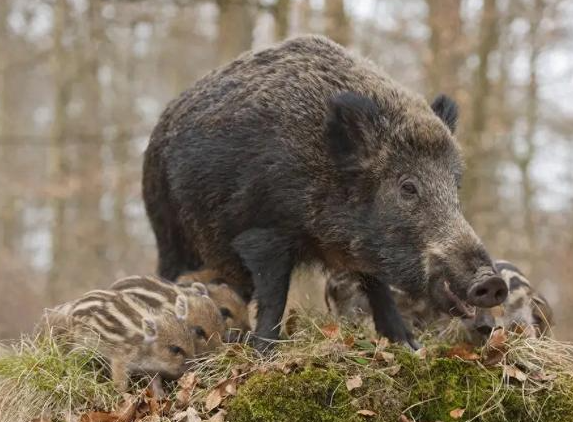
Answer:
[(498, 338), (384, 356), (187, 384), (213, 399), (222, 390), (513, 372), (219, 416), (542, 376), (495, 348), (189, 415), (393, 370), (367, 413), (349, 341), (457, 413), (125, 413), (150, 418), (330, 330), (463, 351), (421, 353), (354, 382), (151, 404), (101, 417), (228, 387)]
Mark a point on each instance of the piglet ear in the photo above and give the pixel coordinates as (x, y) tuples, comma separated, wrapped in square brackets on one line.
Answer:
[(350, 128), (149, 330), (447, 110), (200, 288), (185, 278), (181, 307)]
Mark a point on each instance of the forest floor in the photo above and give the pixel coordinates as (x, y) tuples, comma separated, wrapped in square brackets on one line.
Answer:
[(323, 371)]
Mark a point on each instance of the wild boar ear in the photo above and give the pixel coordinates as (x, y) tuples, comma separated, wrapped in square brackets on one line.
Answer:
[(447, 110), (349, 126), (149, 329), (181, 307)]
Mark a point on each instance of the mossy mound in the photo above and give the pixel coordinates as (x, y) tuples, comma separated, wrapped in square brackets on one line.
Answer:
[(323, 371), (528, 380), (311, 395), (423, 390)]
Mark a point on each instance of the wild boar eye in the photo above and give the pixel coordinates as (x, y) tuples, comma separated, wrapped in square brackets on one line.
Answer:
[(408, 189), (226, 312), (176, 350)]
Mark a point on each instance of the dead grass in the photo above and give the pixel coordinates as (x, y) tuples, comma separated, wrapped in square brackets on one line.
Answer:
[(334, 368), (39, 376)]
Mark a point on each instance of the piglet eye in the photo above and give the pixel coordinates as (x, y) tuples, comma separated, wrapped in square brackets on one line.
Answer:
[(201, 332), (176, 350), (226, 312)]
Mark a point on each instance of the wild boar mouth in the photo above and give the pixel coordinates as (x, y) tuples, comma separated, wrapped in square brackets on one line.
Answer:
[(463, 309)]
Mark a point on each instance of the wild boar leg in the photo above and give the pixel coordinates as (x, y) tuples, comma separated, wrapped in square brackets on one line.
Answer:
[(387, 318), (268, 256)]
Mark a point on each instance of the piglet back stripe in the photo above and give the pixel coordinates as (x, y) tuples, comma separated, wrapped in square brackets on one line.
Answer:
[(150, 298), (108, 335), (150, 285), (126, 314)]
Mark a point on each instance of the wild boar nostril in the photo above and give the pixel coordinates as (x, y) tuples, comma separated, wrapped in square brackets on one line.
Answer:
[(481, 292)]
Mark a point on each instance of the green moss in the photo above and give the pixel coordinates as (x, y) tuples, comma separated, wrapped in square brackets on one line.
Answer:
[(40, 375), (424, 389), (311, 395), (441, 385)]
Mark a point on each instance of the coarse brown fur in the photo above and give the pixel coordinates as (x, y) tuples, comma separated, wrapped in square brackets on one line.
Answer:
[(233, 308), (525, 309), (304, 152), (203, 316), (133, 338)]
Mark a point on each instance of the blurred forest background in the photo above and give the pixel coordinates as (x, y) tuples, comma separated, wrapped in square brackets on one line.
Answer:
[(82, 83)]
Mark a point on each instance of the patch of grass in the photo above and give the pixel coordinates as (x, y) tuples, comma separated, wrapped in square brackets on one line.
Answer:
[(41, 376), (299, 373), (304, 379)]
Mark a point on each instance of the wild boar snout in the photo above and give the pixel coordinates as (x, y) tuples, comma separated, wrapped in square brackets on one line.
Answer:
[(488, 290)]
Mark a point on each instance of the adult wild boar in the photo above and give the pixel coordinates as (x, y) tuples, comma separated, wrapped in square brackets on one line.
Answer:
[(304, 152)]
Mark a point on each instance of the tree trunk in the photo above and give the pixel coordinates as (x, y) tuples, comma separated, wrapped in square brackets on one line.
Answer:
[(304, 13), (58, 166), (235, 28), (446, 46), (8, 200), (281, 13), (479, 193), (125, 122), (524, 159), (337, 24), (89, 165)]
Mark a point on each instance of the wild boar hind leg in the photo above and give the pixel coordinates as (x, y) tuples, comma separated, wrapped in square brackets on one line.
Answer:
[(268, 256), (387, 318)]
